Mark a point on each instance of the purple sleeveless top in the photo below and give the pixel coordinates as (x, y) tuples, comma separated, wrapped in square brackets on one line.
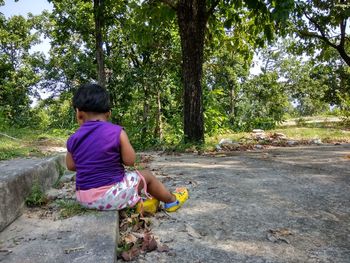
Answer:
[(95, 148)]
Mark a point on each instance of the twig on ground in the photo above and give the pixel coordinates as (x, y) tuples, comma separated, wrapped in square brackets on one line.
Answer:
[(73, 249), (8, 136)]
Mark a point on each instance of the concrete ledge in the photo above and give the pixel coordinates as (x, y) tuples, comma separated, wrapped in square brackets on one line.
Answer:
[(89, 238), (16, 180)]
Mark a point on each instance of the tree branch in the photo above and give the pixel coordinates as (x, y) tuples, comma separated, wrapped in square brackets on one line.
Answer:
[(314, 35), (8, 136), (342, 32), (320, 29), (134, 59), (211, 9)]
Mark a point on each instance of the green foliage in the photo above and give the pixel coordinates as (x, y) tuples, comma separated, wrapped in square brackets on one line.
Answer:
[(56, 114), (301, 122), (305, 84), (264, 104), (18, 69), (36, 197)]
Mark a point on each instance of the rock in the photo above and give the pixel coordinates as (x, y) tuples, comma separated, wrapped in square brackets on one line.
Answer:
[(225, 141), (53, 194), (218, 235), (291, 143), (218, 148), (67, 177), (316, 141), (279, 135), (259, 147), (259, 136), (230, 146)]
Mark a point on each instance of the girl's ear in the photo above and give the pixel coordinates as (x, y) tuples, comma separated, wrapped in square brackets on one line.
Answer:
[(108, 115), (80, 116)]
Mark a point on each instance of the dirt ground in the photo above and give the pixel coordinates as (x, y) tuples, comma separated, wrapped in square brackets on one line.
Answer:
[(277, 205)]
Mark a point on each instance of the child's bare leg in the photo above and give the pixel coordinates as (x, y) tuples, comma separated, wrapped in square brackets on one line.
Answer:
[(156, 188)]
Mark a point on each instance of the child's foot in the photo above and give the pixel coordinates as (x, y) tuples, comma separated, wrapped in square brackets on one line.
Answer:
[(181, 195)]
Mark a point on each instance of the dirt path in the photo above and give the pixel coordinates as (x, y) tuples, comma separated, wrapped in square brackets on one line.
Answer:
[(277, 205)]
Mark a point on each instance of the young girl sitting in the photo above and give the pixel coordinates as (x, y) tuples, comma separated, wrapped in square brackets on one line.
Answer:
[(98, 151)]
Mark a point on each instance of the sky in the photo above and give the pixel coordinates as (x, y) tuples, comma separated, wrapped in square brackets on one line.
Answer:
[(23, 7)]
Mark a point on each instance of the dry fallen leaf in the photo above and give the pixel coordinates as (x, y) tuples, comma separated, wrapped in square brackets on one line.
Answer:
[(192, 232), (278, 235), (130, 239), (149, 243), (130, 254), (147, 221), (162, 248), (135, 233)]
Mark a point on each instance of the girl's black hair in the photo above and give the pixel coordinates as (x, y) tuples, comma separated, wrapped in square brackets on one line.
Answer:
[(91, 97)]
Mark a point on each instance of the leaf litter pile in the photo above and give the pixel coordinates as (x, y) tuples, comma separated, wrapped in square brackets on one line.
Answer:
[(136, 237)]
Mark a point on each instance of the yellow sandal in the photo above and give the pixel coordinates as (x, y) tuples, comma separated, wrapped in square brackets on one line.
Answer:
[(147, 206), (181, 195)]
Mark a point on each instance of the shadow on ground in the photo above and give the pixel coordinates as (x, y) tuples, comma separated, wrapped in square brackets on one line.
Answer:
[(277, 205)]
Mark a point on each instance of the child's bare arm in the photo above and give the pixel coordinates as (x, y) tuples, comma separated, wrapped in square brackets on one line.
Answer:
[(127, 151), (70, 162)]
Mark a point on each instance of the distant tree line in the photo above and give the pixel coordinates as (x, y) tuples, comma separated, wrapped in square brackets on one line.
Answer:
[(177, 69)]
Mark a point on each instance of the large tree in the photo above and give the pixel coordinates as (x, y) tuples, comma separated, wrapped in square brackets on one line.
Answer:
[(193, 17)]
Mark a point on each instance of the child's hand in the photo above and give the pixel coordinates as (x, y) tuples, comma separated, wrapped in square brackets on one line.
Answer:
[(70, 162)]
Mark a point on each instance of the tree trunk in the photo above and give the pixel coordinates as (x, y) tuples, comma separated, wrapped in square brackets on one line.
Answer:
[(232, 112), (145, 113), (98, 16), (158, 131), (192, 18)]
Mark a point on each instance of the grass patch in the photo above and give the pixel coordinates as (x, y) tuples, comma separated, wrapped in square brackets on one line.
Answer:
[(36, 197), (11, 149), (61, 170), (69, 208), (325, 134), (27, 143)]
